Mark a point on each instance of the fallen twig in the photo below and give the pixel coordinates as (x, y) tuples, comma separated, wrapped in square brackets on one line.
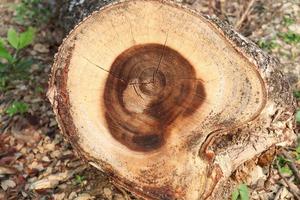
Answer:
[(292, 165), (277, 196), (244, 16), (125, 194), (292, 187)]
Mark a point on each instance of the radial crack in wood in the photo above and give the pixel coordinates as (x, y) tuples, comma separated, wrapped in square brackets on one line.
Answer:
[(166, 101)]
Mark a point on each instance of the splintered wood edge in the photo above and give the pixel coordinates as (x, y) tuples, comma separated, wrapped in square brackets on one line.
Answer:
[(278, 91)]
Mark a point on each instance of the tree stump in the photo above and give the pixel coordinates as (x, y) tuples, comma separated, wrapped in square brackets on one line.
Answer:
[(166, 101)]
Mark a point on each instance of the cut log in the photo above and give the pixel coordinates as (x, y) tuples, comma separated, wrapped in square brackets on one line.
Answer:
[(166, 101)]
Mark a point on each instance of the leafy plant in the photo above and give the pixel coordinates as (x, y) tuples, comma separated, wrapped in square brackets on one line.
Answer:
[(32, 12), (12, 65), (290, 37), (267, 44), (282, 165), (79, 179), (20, 40), (282, 160), (298, 116), (240, 193), (297, 95), (285, 170), (297, 152), (3, 83), (287, 20), (38, 89), (17, 107)]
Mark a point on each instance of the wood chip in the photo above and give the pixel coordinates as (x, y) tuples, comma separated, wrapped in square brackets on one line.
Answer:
[(53, 180), (84, 196), (107, 193), (72, 195), (4, 170), (8, 184), (41, 48), (59, 196)]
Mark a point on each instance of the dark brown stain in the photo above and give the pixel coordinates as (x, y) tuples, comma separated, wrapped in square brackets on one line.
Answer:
[(163, 86)]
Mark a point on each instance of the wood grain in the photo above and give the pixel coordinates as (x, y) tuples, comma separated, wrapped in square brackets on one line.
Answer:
[(155, 85)]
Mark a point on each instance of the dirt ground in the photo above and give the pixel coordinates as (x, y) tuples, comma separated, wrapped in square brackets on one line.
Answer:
[(37, 163)]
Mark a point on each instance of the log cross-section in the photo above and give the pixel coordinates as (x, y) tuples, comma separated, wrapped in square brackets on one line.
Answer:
[(148, 91)]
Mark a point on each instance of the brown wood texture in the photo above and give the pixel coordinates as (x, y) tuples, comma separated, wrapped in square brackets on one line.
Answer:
[(149, 87), (166, 101)]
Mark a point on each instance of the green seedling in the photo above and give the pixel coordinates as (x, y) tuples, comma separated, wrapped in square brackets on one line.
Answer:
[(12, 65), (267, 44), (79, 179), (17, 107), (290, 37), (287, 20), (297, 152), (298, 116), (282, 165), (240, 193), (297, 95)]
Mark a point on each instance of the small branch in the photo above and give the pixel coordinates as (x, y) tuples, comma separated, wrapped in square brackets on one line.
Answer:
[(245, 15), (292, 165), (292, 187), (280, 190), (277, 196)]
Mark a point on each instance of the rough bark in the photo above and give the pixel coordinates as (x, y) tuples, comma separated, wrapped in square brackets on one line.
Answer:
[(71, 12), (178, 130)]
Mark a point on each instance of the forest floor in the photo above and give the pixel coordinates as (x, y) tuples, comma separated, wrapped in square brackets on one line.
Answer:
[(37, 163)]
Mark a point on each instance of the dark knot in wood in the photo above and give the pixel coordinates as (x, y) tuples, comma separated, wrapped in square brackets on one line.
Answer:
[(155, 86)]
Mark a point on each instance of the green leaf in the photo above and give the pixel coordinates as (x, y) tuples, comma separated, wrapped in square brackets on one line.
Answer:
[(290, 37), (235, 195), (17, 107), (38, 89), (287, 20), (24, 64), (297, 153), (5, 54), (285, 170), (298, 116), (79, 179), (244, 193), (297, 94), (26, 38), (281, 161), (240, 193), (1, 67), (267, 44), (298, 148), (3, 83), (13, 38), (2, 42)]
